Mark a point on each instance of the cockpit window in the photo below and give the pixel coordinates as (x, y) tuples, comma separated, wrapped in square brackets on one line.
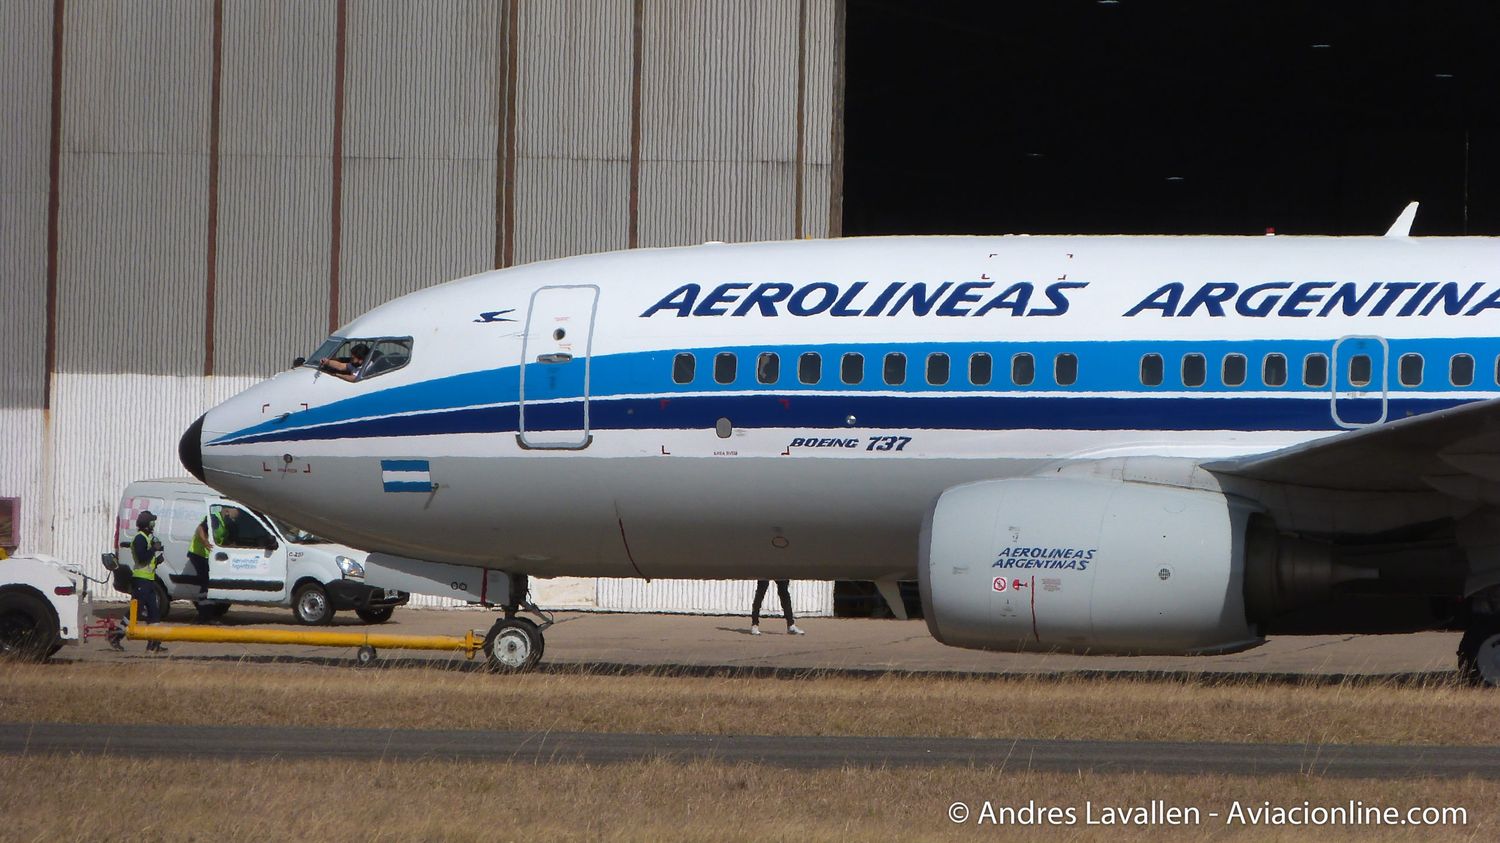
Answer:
[(356, 359)]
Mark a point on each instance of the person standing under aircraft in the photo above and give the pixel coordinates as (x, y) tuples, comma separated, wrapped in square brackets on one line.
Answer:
[(145, 552), (783, 591)]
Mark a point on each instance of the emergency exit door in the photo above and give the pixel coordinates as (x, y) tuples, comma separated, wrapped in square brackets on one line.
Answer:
[(1360, 371), (554, 388)]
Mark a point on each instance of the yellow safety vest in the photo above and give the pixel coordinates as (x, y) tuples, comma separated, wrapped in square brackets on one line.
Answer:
[(147, 571), (219, 530)]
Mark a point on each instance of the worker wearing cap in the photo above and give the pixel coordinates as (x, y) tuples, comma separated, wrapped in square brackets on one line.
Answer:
[(145, 552)]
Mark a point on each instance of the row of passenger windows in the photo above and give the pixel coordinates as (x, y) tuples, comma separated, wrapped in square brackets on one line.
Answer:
[(1274, 372), (937, 369)]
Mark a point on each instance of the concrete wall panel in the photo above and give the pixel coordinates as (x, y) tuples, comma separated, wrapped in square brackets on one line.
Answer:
[(275, 183), (25, 135), (712, 597)]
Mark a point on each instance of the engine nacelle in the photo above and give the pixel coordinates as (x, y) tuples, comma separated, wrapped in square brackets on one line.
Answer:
[(1055, 563)]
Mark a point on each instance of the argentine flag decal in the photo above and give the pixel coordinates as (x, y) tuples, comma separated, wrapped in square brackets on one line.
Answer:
[(406, 475)]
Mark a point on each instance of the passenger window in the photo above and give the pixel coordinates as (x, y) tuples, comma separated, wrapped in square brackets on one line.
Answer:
[(1151, 369), (1022, 369), (726, 366), (1234, 370), (981, 369), (1461, 370), (1194, 369), (1065, 369), (683, 367), (768, 367), (1359, 370), (1273, 370), (810, 367), (1315, 370), (186, 514), (852, 368), (232, 526), (937, 369), (895, 369), (1410, 370)]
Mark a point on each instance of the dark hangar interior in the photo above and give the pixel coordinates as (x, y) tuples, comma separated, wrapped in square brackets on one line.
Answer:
[(1171, 117)]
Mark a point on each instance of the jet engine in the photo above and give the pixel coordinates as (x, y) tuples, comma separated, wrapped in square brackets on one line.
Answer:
[(1086, 565)]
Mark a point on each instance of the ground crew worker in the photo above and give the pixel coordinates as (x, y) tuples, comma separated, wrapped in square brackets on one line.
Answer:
[(782, 591), (145, 552), (211, 531)]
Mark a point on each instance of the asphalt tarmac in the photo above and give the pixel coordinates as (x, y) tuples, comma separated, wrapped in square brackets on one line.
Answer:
[(706, 643), (224, 742)]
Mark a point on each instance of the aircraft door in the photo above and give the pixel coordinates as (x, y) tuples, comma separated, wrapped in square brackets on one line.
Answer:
[(247, 563), (554, 399), (1359, 378)]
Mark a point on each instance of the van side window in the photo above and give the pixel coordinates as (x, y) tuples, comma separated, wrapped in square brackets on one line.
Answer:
[(726, 366), (981, 369), (241, 529), (186, 513), (895, 369), (1410, 370), (1151, 369), (683, 367), (1315, 370), (1022, 369), (1461, 370), (768, 367), (852, 368), (1233, 370), (1065, 369), (1273, 370), (1194, 370), (937, 368), (810, 367)]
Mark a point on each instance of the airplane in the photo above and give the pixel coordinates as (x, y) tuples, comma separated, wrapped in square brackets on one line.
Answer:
[(1094, 444)]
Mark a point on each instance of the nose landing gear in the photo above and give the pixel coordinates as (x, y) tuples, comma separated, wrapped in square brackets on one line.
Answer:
[(515, 644)]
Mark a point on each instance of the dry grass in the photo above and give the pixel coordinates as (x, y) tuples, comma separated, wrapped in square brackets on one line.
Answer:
[(432, 697), (54, 798)]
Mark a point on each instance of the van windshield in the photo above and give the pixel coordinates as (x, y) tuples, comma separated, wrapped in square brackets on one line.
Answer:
[(297, 535)]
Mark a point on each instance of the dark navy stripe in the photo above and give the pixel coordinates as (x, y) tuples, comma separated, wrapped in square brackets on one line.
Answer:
[(991, 413)]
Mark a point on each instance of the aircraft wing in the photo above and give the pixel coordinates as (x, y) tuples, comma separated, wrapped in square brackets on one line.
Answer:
[(1455, 451)]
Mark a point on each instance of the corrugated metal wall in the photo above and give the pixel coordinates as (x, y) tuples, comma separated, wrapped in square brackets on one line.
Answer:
[(132, 278), (25, 131), (573, 133), (275, 183), (447, 121), (420, 138)]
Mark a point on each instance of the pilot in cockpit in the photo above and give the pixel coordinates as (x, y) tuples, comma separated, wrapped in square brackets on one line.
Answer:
[(346, 367)]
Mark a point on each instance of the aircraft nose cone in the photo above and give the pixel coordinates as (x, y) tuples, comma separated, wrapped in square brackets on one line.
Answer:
[(190, 449)]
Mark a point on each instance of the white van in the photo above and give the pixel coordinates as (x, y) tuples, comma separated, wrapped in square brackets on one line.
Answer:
[(262, 561)]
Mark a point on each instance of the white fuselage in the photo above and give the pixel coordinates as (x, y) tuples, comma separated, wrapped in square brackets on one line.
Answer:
[(547, 423)]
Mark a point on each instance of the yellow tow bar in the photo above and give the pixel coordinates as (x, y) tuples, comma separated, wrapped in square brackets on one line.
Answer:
[(367, 642)]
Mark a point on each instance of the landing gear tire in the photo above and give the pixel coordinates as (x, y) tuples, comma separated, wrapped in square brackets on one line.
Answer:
[(28, 627), (310, 605), (365, 655), (380, 614), (163, 602), (1479, 653), (513, 645)]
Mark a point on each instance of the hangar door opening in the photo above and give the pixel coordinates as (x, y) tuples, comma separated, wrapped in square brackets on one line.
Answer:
[(1170, 117)]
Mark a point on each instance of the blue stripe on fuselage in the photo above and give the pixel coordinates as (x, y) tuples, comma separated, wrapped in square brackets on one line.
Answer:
[(485, 401)]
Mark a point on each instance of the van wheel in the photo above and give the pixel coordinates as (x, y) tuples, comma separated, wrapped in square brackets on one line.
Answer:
[(163, 602), (28, 627), (310, 605), (380, 614)]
